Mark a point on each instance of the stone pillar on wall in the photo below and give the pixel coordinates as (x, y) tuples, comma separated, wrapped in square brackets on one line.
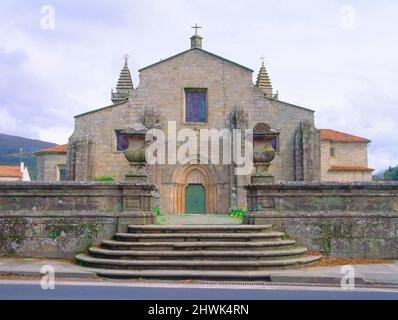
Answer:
[(239, 119), (306, 153), (79, 159), (40, 167), (298, 155), (317, 155)]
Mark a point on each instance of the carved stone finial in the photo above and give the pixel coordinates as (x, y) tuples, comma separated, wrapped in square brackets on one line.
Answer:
[(125, 84), (263, 80), (126, 58), (262, 58)]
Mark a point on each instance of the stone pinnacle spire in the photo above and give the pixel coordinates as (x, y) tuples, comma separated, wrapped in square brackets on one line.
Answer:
[(124, 85), (264, 81)]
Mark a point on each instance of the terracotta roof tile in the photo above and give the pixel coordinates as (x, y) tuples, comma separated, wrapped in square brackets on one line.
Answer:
[(10, 171), (332, 135), (350, 168), (57, 149)]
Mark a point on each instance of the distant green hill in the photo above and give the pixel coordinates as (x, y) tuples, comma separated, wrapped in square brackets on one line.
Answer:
[(10, 153)]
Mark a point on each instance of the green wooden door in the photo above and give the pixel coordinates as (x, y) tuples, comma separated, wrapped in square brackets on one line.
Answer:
[(195, 199)]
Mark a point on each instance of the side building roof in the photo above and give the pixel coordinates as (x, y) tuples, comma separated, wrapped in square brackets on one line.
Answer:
[(337, 136), (10, 171), (351, 168), (53, 150)]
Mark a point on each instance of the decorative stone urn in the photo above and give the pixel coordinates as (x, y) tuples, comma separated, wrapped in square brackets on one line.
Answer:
[(263, 153), (135, 153)]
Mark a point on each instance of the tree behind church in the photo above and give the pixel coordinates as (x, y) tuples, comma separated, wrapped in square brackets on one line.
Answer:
[(391, 174)]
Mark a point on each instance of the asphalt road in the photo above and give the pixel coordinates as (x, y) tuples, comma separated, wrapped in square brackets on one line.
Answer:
[(18, 291)]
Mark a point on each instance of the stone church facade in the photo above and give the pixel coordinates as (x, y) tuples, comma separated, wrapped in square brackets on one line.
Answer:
[(170, 90)]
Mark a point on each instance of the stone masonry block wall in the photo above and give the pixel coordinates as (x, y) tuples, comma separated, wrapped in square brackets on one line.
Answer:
[(48, 166), (57, 235), (58, 220), (340, 219), (76, 197), (346, 154)]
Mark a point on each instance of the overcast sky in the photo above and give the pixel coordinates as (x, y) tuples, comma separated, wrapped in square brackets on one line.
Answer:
[(339, 58)]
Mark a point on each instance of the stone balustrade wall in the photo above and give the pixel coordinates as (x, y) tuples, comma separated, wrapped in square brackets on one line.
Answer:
[(58, 220), (342, 219)]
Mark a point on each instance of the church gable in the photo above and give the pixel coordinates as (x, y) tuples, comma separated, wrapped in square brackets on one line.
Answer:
[(198, 50), (193, 64), (195, 87)]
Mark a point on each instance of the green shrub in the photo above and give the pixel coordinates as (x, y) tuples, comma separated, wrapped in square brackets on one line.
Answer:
[(156, 211), (102, 178), (285, 237), (238, 213)]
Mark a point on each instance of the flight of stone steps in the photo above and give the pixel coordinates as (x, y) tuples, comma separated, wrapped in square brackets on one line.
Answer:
[(195, 251)]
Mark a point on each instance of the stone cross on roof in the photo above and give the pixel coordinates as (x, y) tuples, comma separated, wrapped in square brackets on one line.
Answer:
[(196, 27), (196, 40)]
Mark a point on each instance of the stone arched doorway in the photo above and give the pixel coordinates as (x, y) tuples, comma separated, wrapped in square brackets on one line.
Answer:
[(194, 175)]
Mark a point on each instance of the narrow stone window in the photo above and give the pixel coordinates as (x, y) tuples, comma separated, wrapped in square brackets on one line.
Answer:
[(332, 152), (195, 105), (121, 141), (62, 173)]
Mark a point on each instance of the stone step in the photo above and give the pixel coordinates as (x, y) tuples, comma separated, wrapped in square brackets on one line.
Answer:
[(197, 219), (197, 245), (188, 250), (184, 274), (199, 228), (190, 237), (214, 255), (194, 264)]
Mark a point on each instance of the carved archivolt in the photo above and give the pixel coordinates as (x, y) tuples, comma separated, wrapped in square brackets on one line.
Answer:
[(197, 174)]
